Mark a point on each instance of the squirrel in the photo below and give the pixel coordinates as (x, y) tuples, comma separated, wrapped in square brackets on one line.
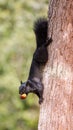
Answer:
[(40, 57)]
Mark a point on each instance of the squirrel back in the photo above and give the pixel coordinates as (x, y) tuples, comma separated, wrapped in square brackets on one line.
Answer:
[(40, 29)]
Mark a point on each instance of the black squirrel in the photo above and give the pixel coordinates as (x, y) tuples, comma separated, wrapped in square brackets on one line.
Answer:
[(40, 57)]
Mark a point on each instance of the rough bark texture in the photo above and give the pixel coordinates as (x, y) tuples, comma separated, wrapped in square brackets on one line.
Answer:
[(56, 112)]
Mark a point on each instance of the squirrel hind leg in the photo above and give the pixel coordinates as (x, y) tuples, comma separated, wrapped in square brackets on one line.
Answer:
[(41, 100)]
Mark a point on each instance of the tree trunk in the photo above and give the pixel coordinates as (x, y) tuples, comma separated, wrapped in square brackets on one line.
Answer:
[(56, 112)]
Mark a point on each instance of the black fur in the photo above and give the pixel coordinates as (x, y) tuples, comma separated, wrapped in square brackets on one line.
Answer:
[(41, 29), (40, 57)]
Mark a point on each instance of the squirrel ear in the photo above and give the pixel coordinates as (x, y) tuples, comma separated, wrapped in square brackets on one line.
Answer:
[(21, 82)]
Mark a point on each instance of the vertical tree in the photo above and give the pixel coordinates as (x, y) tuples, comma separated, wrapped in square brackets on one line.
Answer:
[(56, 112)]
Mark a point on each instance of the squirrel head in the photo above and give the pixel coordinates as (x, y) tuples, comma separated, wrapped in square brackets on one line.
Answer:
[(24, 88)]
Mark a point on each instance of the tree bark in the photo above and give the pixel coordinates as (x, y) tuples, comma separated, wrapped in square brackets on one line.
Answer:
[(56, 112)]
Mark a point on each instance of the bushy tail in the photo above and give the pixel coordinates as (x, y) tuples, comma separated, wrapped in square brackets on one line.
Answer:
[(40, 29)]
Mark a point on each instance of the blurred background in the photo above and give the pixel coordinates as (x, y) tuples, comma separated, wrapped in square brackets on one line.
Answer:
[(17, 44)]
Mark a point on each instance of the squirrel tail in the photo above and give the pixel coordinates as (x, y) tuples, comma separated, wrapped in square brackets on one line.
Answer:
[(40, 29)]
